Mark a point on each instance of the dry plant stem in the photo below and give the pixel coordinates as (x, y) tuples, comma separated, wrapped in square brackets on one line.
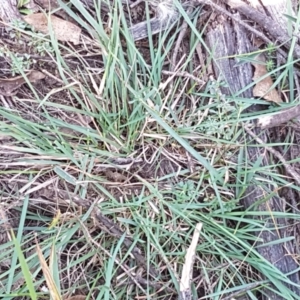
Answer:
[(288, 168), (184, 74), (244, 290), (156, 285)]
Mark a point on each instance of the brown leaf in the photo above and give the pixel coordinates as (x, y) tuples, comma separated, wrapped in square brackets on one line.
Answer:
[(262, 88), (63, 30), (9, 86), (35, 76)]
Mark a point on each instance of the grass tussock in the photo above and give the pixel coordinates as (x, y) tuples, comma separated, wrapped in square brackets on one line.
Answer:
[(107, 167)]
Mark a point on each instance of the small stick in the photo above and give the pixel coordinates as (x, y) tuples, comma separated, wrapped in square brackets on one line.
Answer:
[(182, 33), (279, 118), (185, 290)]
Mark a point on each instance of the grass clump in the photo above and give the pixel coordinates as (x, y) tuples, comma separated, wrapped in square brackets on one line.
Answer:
[(109, 167)]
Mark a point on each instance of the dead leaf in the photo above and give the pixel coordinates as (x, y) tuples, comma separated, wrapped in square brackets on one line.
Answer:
[(8, 87), (116, 176), (63, 30), (262, 88), (35, 76)]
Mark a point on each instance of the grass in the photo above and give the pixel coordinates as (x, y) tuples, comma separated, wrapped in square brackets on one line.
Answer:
[(111, 114)]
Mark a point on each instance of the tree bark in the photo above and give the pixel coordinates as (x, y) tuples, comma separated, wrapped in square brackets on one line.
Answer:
[(9, 11)]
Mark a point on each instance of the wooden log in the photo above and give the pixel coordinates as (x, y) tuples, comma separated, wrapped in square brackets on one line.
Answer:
[(9, 11), (226, 40)]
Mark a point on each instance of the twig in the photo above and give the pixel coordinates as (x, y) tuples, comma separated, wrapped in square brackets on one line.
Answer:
[(279, 118), (185, 290), (182, 33), (247, 288)]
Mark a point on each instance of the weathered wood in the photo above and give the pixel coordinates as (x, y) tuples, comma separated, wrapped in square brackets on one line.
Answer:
[(276, 30), (9, 11), (276, 11), (279, 118), (227, 40)]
